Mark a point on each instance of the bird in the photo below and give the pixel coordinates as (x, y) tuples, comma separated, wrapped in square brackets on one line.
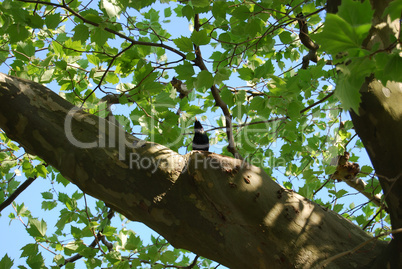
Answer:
[(200, 140)]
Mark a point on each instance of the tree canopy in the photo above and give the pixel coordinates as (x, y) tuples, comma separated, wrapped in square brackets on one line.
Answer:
[(291, 94)]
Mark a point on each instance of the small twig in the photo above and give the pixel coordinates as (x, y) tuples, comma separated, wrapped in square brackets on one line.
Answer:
[(26, 227), (194, 263), (322, 186), (107, 29), (106, 72), (373, 218), (17, 192), (98, 237), (350, 139), (215, 93), (78, 256), (318, 102)]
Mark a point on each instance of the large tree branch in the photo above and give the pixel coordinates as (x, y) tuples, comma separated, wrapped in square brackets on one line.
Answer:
[(379, 125), (215, 206)]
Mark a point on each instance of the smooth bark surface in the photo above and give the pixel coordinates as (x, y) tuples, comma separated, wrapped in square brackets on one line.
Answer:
[(379, 125), (215, 206)]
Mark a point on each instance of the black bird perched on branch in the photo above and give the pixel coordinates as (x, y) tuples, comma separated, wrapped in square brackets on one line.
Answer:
[(200, 140)]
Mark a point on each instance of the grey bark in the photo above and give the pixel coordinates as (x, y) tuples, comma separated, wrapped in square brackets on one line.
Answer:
[(216, 206), (379, 125)]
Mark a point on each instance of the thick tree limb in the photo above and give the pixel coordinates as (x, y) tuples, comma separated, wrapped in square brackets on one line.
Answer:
[(215, 206), (379, 125)]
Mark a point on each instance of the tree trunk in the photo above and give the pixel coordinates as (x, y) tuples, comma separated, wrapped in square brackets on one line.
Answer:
[(379, 125), (216, 206)]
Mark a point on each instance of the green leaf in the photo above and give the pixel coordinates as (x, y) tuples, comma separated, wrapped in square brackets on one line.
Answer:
[(35, 21), (246, 73), (47, 195), (341, 193), (167, 12), (263, 71), (87, 252), (356, 13), (286, 37), (37, 228), (394, 9), (184, 44), (163, 99), (219, 9), (241, 12), (294, 109), (62, 65), (26, 49), (168, 257), (200, 3), (81, 33), (52, 20), (184, 71), (227, 97), (222, 75), (48, 76), (253, 27), (41, 170), (59, 259), (188, 12), (75, 232), (58, 49), (190, 56), (366, 169), (329, 170), (22, 210), (62, 180), (109, 231), (100, 36), (91, 15), (350, 81), (93, 59), (393, 67), (257, 103), (204, 80), (7, 165), (112, 78), (29, 250), (194, 110), (12, 185), (71, 247), (48, 205), (113, 256), (337, 208), (36, 261), (133, 242), (6, 262), (338, 35), (200, 38), (17, 32)]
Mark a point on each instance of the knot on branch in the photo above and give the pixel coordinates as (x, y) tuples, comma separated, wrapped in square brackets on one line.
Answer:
[(346, 170), (180, 87)]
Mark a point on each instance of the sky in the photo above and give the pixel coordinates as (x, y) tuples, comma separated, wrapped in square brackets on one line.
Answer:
[(16, 236)]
